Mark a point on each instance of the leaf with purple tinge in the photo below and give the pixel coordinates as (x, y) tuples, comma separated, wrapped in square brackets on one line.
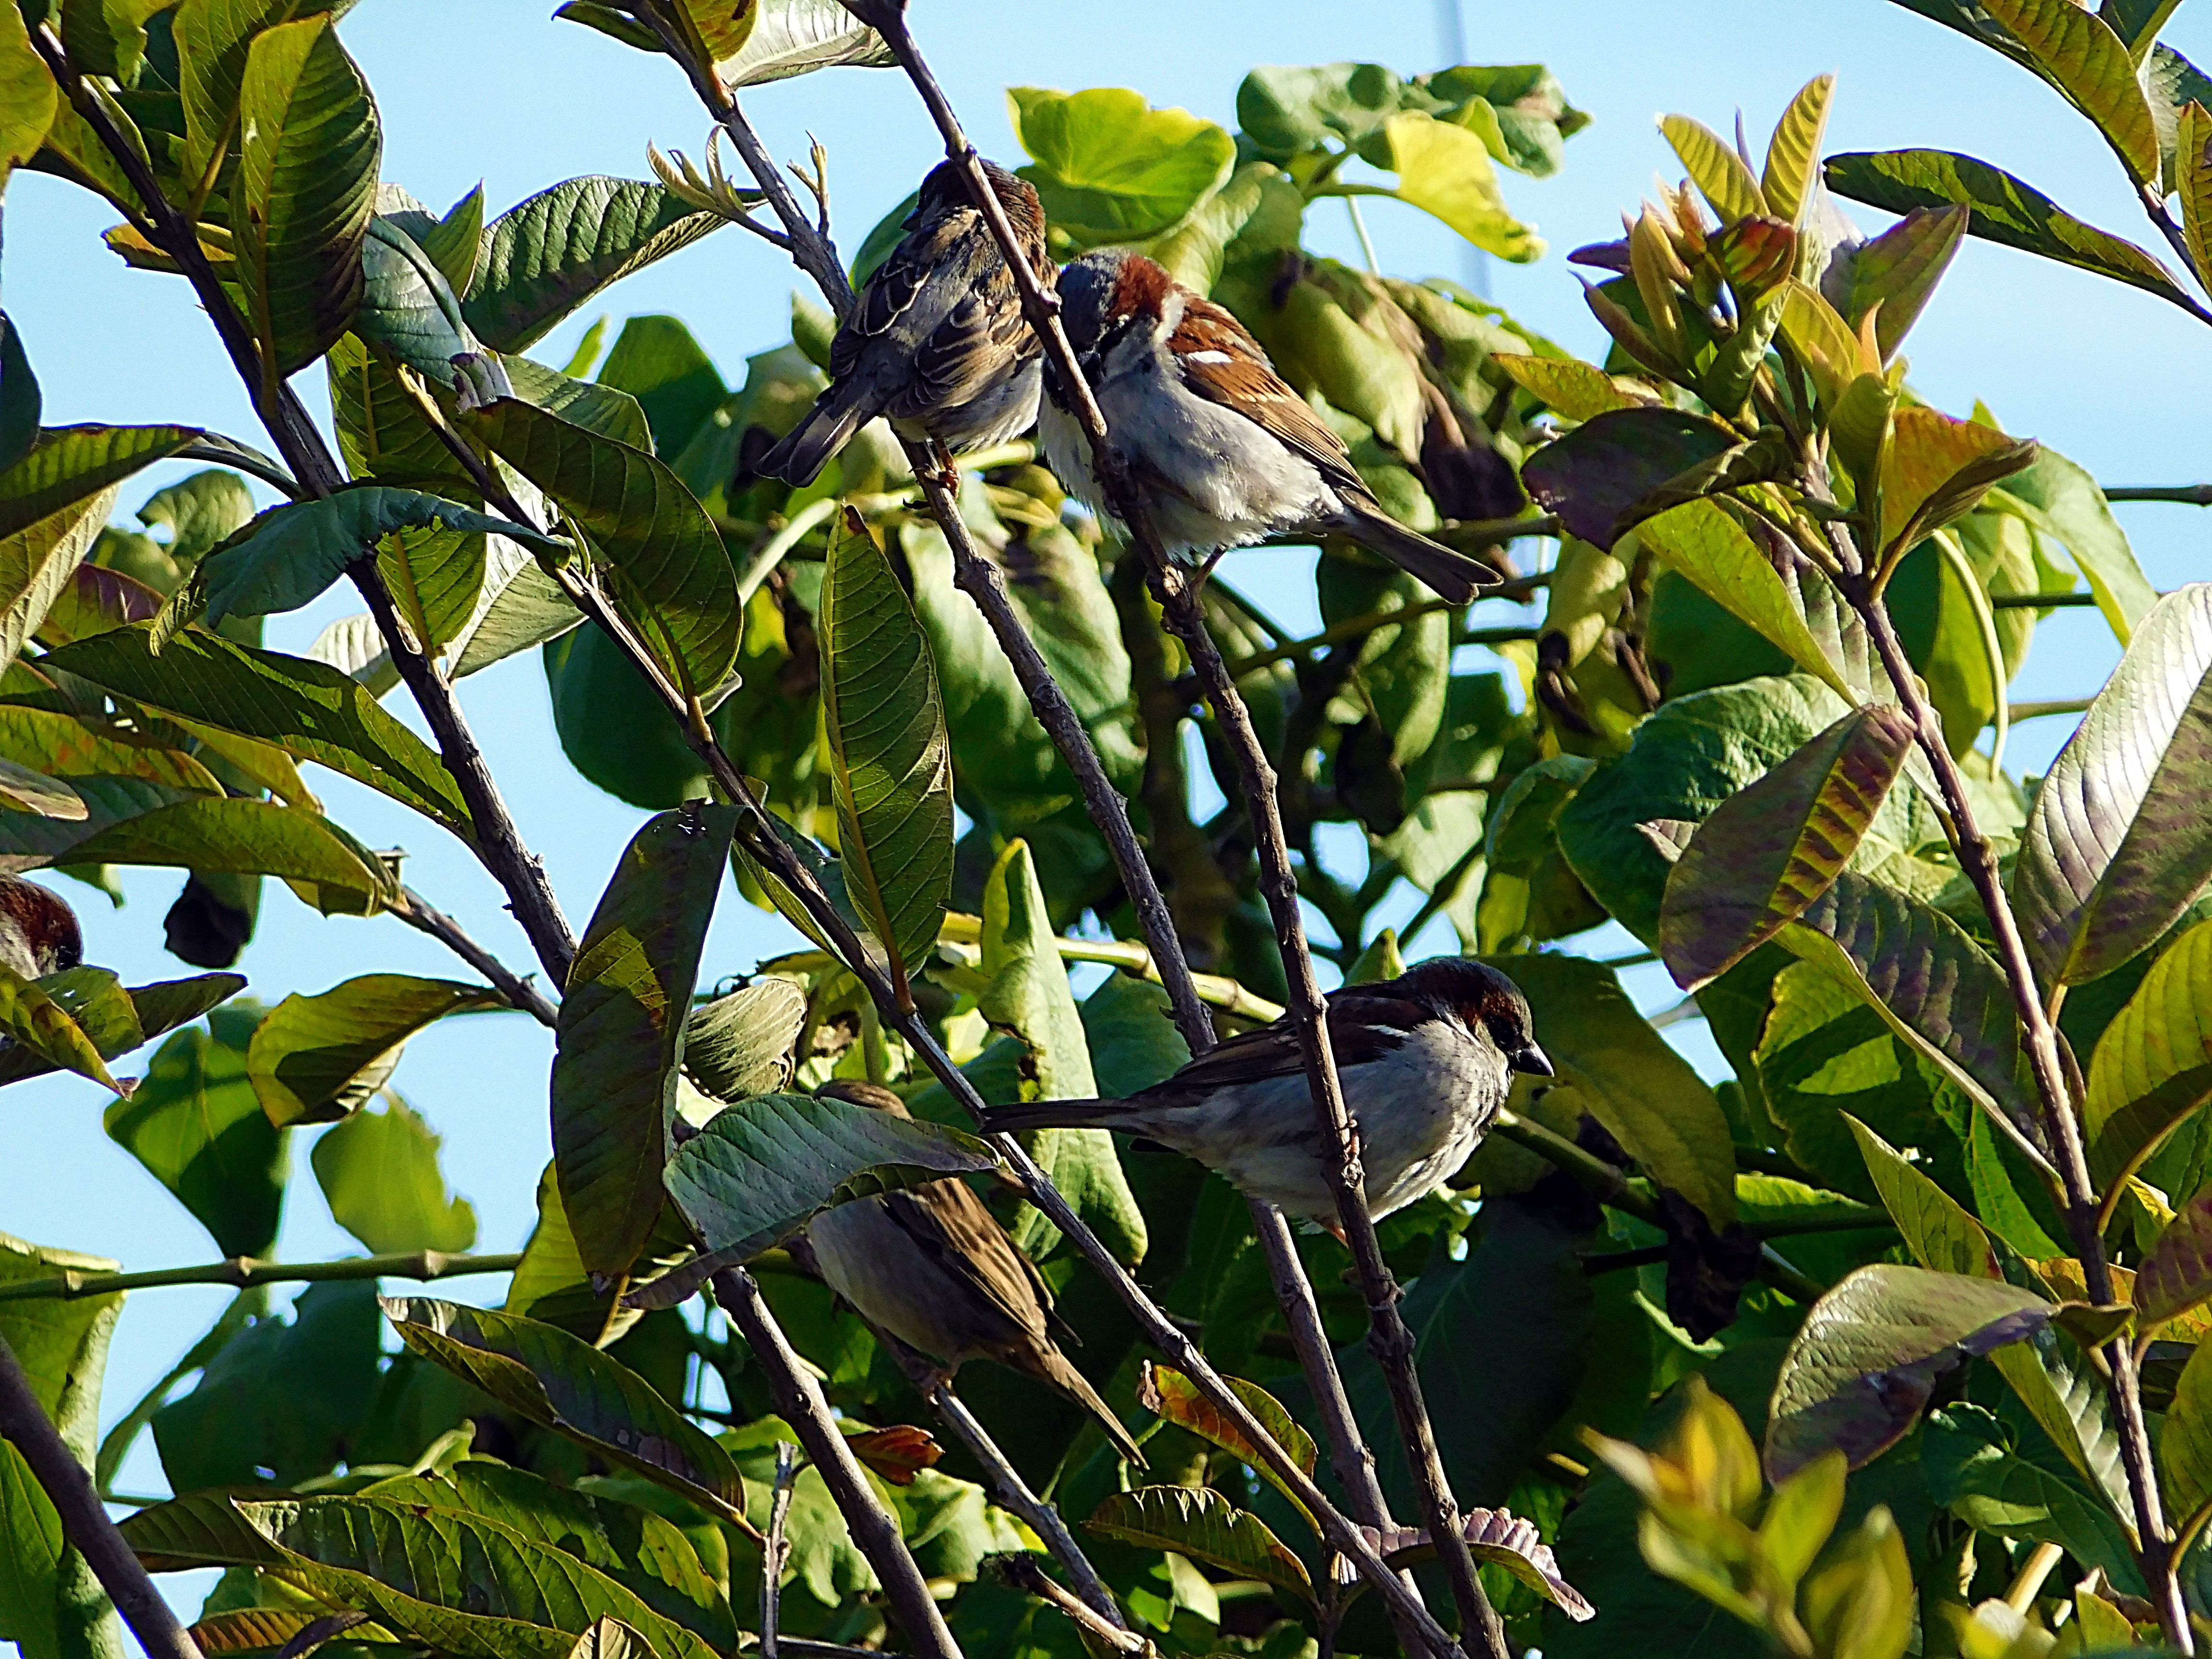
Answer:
[(2152, 1067), (1897, 270), (1935, 471), (2177, 1275), (1593, 476), (1862, 1366), (2118, 842), (1166, 1391), (1773, 849), (1498, 1536)]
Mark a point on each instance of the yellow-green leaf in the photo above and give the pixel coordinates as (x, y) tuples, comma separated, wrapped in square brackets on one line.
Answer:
[(1793, 155), (1715, 167), (1446, 170), (2090, 64), (2152, 1067)]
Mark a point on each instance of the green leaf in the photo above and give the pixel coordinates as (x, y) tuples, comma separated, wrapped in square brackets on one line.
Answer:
[(1702, 542), (1624, 1074), (1604, 477), (2057, 499), (621, 1033), (671, 571), (1028, 995), (213, 38), (1973, 1473), (1445, 170), (452, 1582), (1862, 1366), (518, 606), (2004, 210), (2152, 1067), (658, 362), (2115, 845), (613, 726), (379, 1172), (797, 37), (20, 402), (1861, 1603), (309, 147), (248, 837), (115, 1020), (760, 1168), (891, 760), (319, 1059), (293, 553), (1167, 1393), (286, 1397), (1898, 271), (407, 306), (309, 708), (550, 1283), (195, 1124), (1770, 851), (1720, 174), (30, 1016), (2083, 59), (1259, 207), (1941, 1234), (1201, 1523), (2177, 1275), (52, 1606), (567, 1385), (1792, 154), (28, 101), (739, 1045), (2185, 1444), (1108, 167), (543, 258)]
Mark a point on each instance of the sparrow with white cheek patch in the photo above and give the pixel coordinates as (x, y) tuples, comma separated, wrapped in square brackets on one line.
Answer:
[(1426, 1060), (932, 1266), (936, 341), (1221, 451)]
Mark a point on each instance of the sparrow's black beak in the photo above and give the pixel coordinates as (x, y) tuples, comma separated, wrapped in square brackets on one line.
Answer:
[(1531, 1059)]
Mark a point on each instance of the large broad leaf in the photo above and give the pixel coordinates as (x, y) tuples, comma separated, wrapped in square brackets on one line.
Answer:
[(621, 1032), (2077, 51), (891, 762), (760, 1168), (797, 37), (2004, 210), (1110, 167), (118, 1020), (1167, 1393), (2177, 1275), (740, 1045), (1862, 1366), (283, 1400), (292, 554), (568, 1386), (2152, 1067), (52, 1606), (407, 306), (248, 838), (307, 707), (1624, 1074), (28, 101), (1027, 994), (2185, 1444), (1934, 470), (213, 38), (379, 1172), (1972, 1470), (1700, 540), (1595, 476), (316, 1059), (309, 147), (1444, 169), (2058, 499), (1938, 1231), (30, 1015), (657, 361), (195, 1124), (1897, 270), (451, 1581), (2117, 844), (546, 256), (670, 570), (1200, 1522), (1768, 853)]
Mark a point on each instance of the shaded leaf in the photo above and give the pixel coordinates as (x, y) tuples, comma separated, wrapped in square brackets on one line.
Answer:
[(1706, 545), (1898, 271), (621, 1031), (2184, 1443), (1167, 1393), (1597, 474), (740, 1045), (247, 837), (2177, 1275), (2058, 499), (318, 1059), (117, 1020), (797, 37), (194, 1123), (379, 1172), (1203, 1525), (29, 99), (2152, 1067)]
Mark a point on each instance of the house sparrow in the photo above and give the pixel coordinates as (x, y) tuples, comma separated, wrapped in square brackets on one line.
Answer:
[(937, 341), (1426, 1061), (1221, 450), (38, 930), (932, 1266)]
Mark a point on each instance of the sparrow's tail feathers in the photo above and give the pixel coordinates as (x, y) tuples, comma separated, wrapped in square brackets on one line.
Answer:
[(1454, 575), (1053, 1114), (1048, 1365), (838, 414)]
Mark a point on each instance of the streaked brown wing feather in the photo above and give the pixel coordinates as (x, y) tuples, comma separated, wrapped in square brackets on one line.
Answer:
[(1222, 362), (948, 1223)]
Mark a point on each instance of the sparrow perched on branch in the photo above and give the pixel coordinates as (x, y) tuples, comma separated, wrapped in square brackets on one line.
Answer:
[(932, 1266), (38, 930), (1221, 451), (1426, 1060), (936, 341)]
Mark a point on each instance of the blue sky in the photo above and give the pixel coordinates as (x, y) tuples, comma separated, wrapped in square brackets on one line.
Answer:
[(493, 90)]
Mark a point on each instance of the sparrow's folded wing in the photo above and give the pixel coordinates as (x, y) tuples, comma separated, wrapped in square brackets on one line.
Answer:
[(891, 291), (967, 351), (1223, 363), (948, 1223), (1361, 1028)]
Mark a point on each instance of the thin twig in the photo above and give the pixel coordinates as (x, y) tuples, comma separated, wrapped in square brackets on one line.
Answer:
[(1024, 1573), (2154, 205), (2030, 711), (2041, 601), (67, 1484), (244, 1272), (800, 1402), (778, 1549), (2180, 494), (419, 913)]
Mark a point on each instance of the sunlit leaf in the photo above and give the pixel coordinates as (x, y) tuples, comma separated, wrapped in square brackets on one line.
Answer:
[(1167, 1393), (2091, 65), (1792, 154), (740, 1045), (1715, 167), (2152, 1067), (1201, 1523), (1706, 545), (1445, 169), (379, 1172), (316, 1059), (1110, 167)]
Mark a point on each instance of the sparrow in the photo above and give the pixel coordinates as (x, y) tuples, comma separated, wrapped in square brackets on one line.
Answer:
[(1220, 449), (933, 1268), (1426, 1060), (937, 341), (38, 930)]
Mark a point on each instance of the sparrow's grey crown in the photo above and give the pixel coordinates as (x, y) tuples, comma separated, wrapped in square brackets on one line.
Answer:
[(1086, 296)]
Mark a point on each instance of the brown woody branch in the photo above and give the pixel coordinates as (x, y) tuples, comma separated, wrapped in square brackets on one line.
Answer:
[(419, 913)]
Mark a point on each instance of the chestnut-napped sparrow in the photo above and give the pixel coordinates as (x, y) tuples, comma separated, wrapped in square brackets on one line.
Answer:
[(38, 930), (1426, 1060), (932, 1266), (1220, 450), (936, 341)]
